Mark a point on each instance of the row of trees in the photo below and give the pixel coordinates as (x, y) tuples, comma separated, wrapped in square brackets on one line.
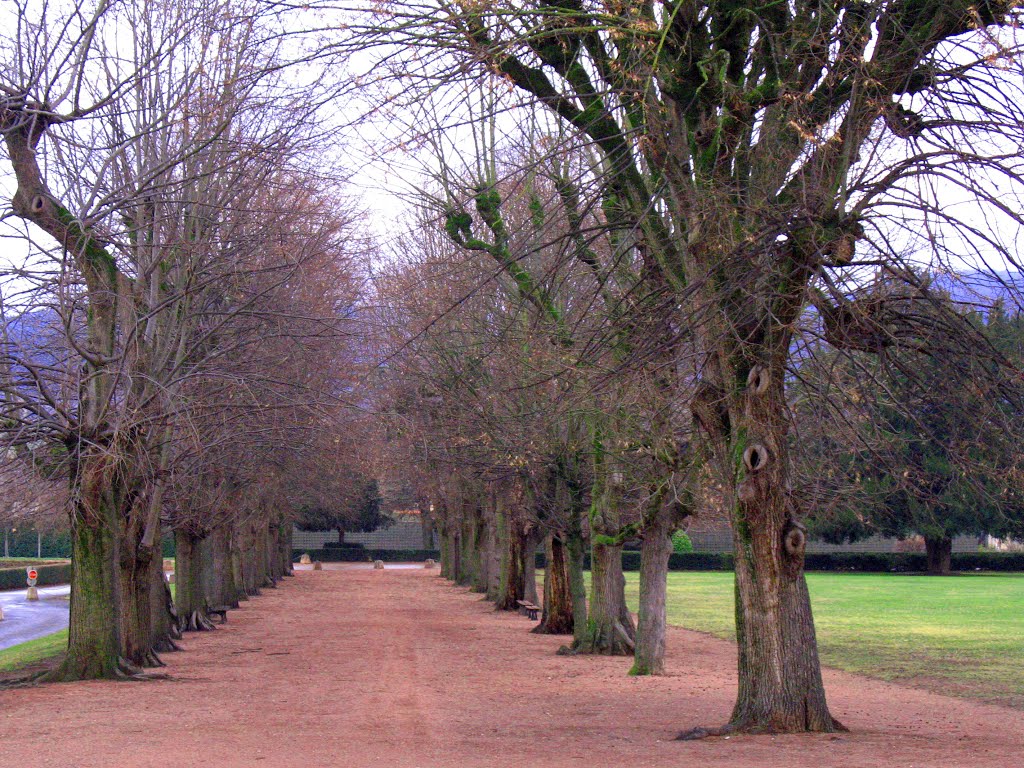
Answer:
[(661, 218), (179, 334), (607, 312)]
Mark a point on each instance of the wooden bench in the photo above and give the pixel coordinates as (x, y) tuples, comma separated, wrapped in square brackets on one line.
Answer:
[(219, 610), (529, 609)]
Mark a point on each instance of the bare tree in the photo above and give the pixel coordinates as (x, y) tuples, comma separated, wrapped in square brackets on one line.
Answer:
[(757, 159)]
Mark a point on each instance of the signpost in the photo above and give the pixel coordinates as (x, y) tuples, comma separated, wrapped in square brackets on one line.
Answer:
[(32, 574)]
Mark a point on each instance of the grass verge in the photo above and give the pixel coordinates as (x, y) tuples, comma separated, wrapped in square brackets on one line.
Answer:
[(34, 651), (959, 635)]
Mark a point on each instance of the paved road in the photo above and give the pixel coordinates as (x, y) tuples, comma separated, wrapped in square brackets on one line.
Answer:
[(24, 621)]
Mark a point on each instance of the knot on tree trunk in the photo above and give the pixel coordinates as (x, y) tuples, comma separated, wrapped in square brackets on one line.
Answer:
[(755, 458), (758, 380), (794, 543)]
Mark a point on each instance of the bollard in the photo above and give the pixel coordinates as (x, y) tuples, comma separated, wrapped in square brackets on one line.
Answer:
[(304, 560), (318, 566), (31, 574), (378, 565), (429, 564), (1, 613)]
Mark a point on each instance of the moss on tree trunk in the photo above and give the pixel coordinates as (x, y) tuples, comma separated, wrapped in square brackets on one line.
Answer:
[(94, 644)]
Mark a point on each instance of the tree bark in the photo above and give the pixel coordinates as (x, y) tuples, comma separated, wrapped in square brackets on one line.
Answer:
[(94, 643), (940, 554), (286, 549), (529, 566), (163, 617), (513, 584), (494, 546), (558, 604), (780, 687), (609, 629), (238, 549), (136, 612), (217, 577), (481, 558), (446, 554), (655, 549), (189, 600), (426, 524)]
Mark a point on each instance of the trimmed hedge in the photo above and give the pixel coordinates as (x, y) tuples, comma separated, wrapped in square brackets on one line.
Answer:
[(364, 555), (687, 561), (14, 578), (346, 545), (24, 544), (859, 562)]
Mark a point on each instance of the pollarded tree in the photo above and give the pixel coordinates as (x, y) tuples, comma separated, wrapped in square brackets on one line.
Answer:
[(138, 166), (755, 152)]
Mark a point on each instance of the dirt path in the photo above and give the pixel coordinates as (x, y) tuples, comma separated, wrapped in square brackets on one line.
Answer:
[(397, 668)]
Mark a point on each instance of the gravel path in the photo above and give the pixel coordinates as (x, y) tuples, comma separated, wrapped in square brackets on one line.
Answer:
[(355, 667)]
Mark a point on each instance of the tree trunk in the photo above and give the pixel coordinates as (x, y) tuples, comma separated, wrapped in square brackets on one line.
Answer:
[(513, 584), (940, 554), (780, 687), (238, 549), (649, 655), (217, 577), (576, 549), (609, 630), (135, 576), (446, 555), (189, 602), (494, 546), (558, 604), (426, 525), (529, 567), (94, 644), (273, 553), (481, 558), (136, 612), (456, 556), (163, 620), (488, 579), (341, 536), (285, 553)]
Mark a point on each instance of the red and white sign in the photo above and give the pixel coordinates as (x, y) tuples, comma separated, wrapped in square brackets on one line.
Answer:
[(33, 573)]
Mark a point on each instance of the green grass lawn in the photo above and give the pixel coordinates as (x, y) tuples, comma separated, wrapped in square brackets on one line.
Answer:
[(961, 634), (34, 650)]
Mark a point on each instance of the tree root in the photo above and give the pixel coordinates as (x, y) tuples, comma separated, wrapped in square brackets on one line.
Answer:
[(591, 647), (558, 628), (753, 729), (624, 636), (166, 644), (197, 621), (151, 661), (703, 733), (69, 671)]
